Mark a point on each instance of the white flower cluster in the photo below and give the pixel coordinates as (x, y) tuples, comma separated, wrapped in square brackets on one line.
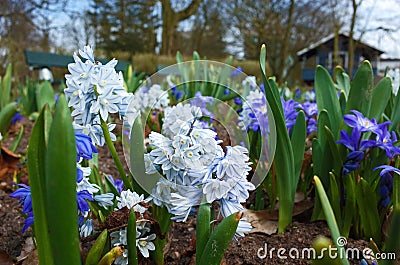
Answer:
[(195, 166), (150, 98), (93, 91), (143, 237)]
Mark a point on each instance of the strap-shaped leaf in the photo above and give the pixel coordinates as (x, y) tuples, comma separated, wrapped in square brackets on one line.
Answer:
[(6, 115), (380, 98), (330, 218), (298, 140), (97, 249), (37, 180), (361, 89), (367, 203), (220, 239), (131, 238), (327, 99), (202, 229), (5, 88), (61, 203), (283, 159)]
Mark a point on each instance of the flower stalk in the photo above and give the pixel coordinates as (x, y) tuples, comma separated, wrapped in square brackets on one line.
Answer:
[(114, 154)]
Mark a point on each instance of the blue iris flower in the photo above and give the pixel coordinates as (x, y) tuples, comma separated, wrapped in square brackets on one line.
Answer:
[(28, 222), (359, 122), (236, 72), (290, 112), (177, 94), (81, 197), (25, 199), (118, 184), (386, 183), (24, 196), (84, 146), (17, 117)]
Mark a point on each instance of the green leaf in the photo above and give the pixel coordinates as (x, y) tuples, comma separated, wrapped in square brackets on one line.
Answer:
[(96, 250), (17, 140), (44, 95), (395, 115), (6, 115), (131, 239), (327, 99), (333, 149), (5, 87), (219, 240), (37, 180), (349, 206), (203, 229), (335, 196), (342, 102), (61, 203), (343, 80), (283, 159), (298, 141), (143, 183), (361, 90), (380, 98), (367, 203), (330, 218), (326, 156)]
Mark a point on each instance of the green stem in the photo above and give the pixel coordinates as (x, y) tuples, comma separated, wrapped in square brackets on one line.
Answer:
[(114, 155), (163, 217)]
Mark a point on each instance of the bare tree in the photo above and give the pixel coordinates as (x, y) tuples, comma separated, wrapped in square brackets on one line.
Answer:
[(170, 22)]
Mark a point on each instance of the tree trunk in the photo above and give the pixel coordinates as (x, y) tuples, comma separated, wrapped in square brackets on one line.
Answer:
[(170, 23), (351, 40), (285, 44), (336, 47)]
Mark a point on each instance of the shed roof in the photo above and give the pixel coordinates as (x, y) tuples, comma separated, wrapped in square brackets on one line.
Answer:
[(329, 38), (44, 59)]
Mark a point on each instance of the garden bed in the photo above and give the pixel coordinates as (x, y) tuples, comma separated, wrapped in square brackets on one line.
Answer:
[(181, 246)]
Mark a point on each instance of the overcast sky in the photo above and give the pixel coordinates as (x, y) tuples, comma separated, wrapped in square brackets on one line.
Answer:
[(384, 14), (374, 14)]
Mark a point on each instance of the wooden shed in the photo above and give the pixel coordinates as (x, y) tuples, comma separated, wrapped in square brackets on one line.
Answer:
[(321, 53)]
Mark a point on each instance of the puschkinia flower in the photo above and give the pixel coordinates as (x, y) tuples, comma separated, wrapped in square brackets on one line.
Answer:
[(1, 137), (143, 241), (131, 200), (195, 166), (94, 91), (147, 98), (104, 200)]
